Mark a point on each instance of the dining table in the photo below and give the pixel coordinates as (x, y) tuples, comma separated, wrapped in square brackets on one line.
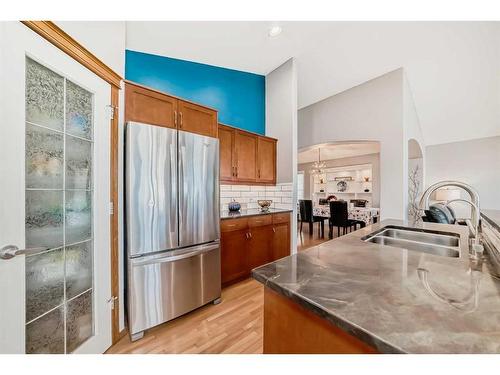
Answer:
[(368, 215)]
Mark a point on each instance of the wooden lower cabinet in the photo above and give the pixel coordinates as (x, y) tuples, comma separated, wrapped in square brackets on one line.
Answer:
[(233, 266), (305, 332), (259, 246), (281, 241), (247, 243)]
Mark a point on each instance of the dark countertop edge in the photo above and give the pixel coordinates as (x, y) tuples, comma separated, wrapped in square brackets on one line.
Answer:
[(491, 221), (274, 211), (346, 326)]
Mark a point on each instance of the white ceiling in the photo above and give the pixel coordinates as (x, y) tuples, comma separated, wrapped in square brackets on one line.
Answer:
[(337, 151), (453, 67)]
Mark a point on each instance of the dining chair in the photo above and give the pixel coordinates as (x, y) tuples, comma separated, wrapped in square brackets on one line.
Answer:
[(339, 217), (306, 216)]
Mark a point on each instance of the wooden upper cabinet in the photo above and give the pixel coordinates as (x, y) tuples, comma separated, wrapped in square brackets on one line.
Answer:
[(245, 146), (226, 148), (197, 119), (149, 106), (246, 158), (266, 160)]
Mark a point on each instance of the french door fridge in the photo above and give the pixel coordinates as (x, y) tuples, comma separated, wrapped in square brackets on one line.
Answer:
[(172, 223)]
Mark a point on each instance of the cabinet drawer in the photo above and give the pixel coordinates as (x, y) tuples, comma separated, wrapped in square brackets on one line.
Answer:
[(281, 218), (229, 225), (261, 220)]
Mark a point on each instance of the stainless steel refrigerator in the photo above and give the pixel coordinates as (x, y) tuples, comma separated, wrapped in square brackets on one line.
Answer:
[(172, 224)]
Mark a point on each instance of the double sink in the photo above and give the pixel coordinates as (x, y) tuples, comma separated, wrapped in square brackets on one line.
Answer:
[(426, 241)]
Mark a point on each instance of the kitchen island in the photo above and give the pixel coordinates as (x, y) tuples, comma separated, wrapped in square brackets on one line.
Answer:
[(351, 296)]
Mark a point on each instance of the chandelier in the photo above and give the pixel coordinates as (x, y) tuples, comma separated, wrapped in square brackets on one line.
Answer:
[(318, 166)]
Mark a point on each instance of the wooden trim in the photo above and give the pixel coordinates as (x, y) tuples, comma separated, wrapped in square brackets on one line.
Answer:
[(115, 279), (55, 35)]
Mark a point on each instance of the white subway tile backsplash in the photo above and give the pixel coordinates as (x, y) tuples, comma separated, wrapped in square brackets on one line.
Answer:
[(247, 196), (230, 194), (240, 188)]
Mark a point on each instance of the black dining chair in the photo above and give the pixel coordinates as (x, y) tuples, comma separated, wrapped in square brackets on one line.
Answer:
[(306, 216), (339, 217)]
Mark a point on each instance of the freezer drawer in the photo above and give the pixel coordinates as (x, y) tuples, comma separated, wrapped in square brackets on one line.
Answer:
[(165, 286)]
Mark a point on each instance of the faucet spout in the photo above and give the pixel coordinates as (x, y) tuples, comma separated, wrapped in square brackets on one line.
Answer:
[(424, 201)]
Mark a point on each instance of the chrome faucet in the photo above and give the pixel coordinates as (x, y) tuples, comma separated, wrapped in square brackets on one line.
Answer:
[(476, 217), (475, 220)]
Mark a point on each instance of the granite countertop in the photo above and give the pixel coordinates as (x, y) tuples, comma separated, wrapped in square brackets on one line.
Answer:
[(493, 217), (375, 293), (250, 212)]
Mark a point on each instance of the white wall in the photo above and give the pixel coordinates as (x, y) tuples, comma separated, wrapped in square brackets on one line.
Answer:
[(106, 40), (281, 123), (412, 131), (476, 162), (373, 159), (372, 111)]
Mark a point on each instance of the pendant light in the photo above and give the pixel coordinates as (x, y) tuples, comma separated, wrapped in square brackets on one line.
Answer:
[(318, 166)]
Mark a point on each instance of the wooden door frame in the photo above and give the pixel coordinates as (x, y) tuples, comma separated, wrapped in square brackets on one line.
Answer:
[(55, 35)]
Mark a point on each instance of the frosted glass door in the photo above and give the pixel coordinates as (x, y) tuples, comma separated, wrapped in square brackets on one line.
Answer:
[(57, 192)]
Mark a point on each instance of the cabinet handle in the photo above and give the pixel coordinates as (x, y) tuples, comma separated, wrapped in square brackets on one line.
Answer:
[(249, 235), (180, 115), (258, 173), (274, 229), (175, 118), (236, 171)]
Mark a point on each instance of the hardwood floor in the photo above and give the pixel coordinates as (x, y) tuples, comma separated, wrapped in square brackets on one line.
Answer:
[(306, 240), (233, 326)]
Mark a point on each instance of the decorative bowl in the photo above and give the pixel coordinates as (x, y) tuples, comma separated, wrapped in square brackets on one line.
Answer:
[(264, 204)]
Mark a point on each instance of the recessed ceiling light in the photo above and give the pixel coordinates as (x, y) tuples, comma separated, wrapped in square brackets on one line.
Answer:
[(274, 31)]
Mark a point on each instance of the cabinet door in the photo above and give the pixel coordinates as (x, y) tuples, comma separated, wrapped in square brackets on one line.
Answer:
[(281, 241), (233, 255), (149, 106), (197, 119), (226, 148), (259, 249), (245, 145), (266, 156)]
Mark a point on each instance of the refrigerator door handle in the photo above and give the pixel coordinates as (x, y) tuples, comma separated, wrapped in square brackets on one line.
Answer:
[(173, 187), (173, 258)]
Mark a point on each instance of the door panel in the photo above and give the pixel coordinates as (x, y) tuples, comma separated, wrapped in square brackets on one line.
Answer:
[(226, 147), (198, 189), (151, 188), (56, 147), (259, 246), (246, 156), (281, 241), (233, 255), (149, 107), (266, 160), (197, 119)]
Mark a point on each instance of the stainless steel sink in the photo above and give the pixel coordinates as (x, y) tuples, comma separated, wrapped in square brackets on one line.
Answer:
[(426, 241)]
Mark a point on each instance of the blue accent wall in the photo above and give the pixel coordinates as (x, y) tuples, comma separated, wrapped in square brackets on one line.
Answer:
[(238, 96)]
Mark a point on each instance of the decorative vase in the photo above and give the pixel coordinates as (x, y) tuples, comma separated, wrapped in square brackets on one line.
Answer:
[(234, 206)]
